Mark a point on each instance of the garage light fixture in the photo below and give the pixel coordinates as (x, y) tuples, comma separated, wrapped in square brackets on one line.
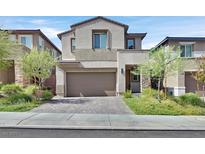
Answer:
[(122, 70)]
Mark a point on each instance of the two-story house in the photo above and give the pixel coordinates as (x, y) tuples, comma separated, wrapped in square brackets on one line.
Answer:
[(28, 39), (183, 81), (97, 58)]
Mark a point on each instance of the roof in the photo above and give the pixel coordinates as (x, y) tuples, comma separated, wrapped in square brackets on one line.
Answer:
[(142, 35), (34, 31), (99, 17), (65, 32), (90, 20), (180, 39)]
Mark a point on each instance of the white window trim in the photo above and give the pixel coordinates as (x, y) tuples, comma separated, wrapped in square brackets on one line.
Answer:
[(187, 43), (100, 40), (185, 56), (72, 43), (31, 36)]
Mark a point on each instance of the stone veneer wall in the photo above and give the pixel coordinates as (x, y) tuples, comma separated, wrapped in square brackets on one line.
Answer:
[(19, 76), (145, 82)]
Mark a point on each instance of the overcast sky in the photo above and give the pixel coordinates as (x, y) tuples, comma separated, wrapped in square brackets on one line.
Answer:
[(157, 28)]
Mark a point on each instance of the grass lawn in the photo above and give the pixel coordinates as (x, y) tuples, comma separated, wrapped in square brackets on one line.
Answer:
[(19, 107), (151, 106)]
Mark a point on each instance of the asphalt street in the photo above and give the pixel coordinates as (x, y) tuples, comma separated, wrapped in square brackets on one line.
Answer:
[(63, 133)]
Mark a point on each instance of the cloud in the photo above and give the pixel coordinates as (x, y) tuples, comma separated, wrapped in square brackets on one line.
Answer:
[(50, 32), (38, 21)]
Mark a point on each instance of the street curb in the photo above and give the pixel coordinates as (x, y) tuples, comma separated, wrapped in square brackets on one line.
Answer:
[(52, 127)]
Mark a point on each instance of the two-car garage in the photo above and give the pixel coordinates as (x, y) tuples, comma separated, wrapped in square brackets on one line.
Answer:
[(90, 84)]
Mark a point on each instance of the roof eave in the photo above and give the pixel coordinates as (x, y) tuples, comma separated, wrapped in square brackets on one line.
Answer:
[(99, 17), (65, 32)]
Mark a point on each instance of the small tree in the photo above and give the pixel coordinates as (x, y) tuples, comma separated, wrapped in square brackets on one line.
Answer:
[(38, 65), (162, 62), (199, 75), (7, 47)]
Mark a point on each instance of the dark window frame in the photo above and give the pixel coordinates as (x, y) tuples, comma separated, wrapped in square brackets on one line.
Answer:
[(133, 79), (133, 39)]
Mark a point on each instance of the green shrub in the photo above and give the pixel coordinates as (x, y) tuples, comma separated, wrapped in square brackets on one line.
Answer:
[(47, 95), (18, 98), (21, 107), (151, 106), (190, 99), (11, 89), (31, 89), (127, 94), (149, 92), (1, 85)]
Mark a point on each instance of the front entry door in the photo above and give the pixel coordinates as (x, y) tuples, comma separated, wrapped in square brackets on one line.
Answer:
[(135, 83)]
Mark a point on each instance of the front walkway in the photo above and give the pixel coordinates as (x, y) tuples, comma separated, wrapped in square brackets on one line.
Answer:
[(85, 105), (100, 121)]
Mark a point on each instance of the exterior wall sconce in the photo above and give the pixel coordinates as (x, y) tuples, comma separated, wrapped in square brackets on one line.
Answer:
[(122, 71)]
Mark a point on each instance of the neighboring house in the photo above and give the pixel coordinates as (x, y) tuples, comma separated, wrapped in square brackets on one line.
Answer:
[(28, 39), (97, 58), (191, 48)]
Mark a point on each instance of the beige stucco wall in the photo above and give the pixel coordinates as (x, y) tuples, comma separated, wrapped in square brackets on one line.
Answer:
[(128, 58), (83, 37), (60, 81), (178, 79), (99, 64), (95, 55), (189, 64), (66, 46), (84, 34), (138, 43), (197, 45)]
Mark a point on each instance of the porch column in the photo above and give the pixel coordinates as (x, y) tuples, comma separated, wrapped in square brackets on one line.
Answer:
[(60, 82)]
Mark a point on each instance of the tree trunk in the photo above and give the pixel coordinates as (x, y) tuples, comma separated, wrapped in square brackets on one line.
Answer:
[(35, 82), (39, 83), (159, 85), (197, 85), (165, 87)]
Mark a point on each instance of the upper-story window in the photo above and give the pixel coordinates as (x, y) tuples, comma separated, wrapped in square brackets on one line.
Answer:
[(41, 43), (73, 46), (26, 40), (130, 44), (186, 50), (99, 40)]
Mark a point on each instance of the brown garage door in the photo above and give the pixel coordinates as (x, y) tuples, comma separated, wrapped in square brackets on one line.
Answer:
[(91, 84), (191, 84)]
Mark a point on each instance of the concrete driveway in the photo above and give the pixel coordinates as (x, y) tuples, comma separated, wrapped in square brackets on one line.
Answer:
[(88, 105)]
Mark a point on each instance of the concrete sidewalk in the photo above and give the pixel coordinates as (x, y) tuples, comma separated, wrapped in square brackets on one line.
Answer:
[(100, 121)]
